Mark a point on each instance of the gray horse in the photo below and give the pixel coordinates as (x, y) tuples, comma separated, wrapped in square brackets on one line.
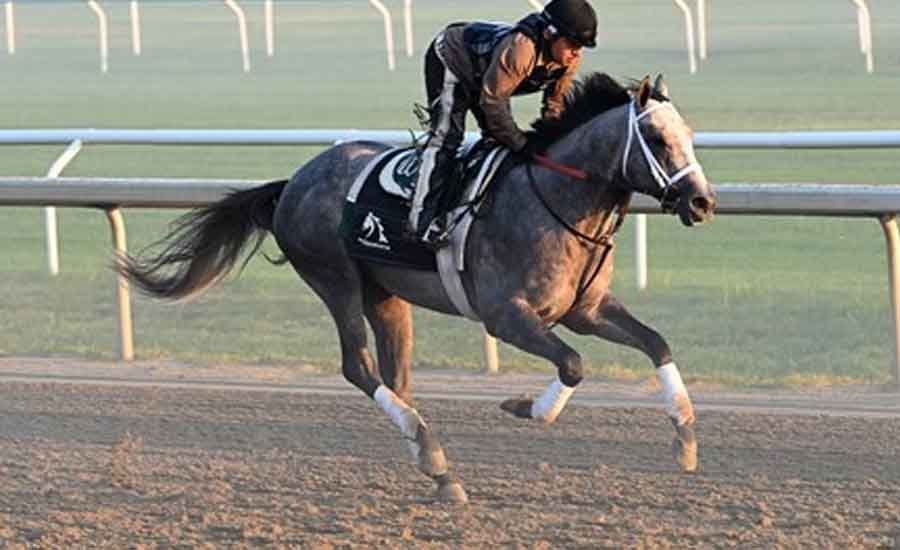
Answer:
[(538, 255)]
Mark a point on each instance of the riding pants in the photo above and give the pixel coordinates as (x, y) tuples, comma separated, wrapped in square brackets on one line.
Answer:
[(448, 101)]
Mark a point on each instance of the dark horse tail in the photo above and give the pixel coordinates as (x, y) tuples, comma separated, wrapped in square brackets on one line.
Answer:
[(204, 244)]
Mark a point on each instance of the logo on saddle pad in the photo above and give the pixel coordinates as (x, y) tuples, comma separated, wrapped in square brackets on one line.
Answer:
[(373, 233), (398, 177)]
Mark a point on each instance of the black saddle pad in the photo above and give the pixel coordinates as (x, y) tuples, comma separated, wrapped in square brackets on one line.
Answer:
[(374, 219), (377, 207)]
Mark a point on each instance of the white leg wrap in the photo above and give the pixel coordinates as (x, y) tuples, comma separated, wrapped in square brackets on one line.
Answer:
[(548, 406), (678, 404), (405, 417)]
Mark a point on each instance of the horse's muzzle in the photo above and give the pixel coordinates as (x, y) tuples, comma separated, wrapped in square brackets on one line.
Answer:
[(696, 206)]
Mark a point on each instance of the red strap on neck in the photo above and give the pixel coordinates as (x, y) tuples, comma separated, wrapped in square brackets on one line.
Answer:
[(563, 169)]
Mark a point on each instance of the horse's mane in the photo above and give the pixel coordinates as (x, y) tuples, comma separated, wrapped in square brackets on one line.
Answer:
[(590, 96)]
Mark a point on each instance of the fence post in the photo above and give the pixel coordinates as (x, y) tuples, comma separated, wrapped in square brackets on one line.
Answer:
[(135, 28), (408, 26), (270, 28), (126, 339), (864, 22), (689, 32), (892, 235), (702, 28), (50, 211), (242, 32), (10, 28), (640, 251), (388, 32), (104, 40), (491, 357)]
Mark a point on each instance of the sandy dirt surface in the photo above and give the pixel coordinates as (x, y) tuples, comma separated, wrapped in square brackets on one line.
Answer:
[(163, 455)]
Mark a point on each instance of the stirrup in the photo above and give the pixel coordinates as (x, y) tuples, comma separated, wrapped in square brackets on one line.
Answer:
[(435, 242), (435, 236)]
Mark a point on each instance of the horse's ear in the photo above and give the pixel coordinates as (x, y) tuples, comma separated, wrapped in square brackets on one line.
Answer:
[(660, 86), (644, 92)]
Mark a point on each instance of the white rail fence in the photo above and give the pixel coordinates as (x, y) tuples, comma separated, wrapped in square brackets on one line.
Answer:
[(879, 202), (694, 47), (241, 18), (75, 138), (701, 48)]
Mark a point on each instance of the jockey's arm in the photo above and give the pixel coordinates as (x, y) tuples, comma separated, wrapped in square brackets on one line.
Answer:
[(513, 61), (555, 94)]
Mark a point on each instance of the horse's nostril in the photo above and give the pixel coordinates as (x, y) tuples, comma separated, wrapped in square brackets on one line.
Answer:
[(703, 204)]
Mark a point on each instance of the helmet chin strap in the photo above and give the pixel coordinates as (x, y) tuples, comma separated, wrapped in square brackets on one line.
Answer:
[(664, 180)]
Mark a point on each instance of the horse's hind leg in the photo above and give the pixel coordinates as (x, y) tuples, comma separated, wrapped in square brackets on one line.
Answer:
[(341, 290), (391, 320), (611, 321)]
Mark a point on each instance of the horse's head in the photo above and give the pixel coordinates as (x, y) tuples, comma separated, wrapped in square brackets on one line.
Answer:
[(658, 157), (653, 154)]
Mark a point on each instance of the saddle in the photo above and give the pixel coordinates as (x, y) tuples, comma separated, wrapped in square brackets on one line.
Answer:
[(375, 214)]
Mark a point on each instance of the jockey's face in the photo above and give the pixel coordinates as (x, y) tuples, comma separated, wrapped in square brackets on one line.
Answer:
[(565, 50)]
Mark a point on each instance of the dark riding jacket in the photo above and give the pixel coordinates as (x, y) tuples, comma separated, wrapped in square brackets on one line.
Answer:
[(495, 61)]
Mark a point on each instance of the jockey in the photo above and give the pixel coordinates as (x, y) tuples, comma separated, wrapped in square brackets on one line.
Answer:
[(478, 67)]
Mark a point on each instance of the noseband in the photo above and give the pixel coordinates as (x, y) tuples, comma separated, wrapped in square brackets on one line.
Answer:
[(666, 182)]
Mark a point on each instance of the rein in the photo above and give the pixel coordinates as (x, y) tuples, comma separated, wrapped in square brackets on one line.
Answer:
[(666, 182), (563, 169), (600, 239)]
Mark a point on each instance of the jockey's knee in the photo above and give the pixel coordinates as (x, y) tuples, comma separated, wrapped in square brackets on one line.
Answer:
[(571, 371)]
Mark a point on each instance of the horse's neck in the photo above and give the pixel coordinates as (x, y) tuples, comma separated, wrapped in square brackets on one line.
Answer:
[(594, 148)]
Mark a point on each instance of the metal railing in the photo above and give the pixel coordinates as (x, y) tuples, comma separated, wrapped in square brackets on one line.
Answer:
[(76, 138), (776, 199)]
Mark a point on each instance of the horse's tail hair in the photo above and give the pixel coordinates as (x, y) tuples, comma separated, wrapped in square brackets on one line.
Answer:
[(204, 245)]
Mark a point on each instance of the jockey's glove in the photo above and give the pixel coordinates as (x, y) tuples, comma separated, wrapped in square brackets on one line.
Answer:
[(532, 147)]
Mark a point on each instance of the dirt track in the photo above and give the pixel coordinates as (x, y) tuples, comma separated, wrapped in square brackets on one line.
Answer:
[(86, 465)]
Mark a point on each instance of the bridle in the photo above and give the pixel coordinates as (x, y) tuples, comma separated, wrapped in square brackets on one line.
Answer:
[(665, 181)]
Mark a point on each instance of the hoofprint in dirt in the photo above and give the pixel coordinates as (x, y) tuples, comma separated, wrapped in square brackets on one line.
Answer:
[(95, 466)]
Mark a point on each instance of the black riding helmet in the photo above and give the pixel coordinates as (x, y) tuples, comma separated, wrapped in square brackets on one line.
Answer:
[(575, 19)]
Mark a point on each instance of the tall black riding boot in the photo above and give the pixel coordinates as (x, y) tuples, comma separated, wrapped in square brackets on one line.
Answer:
[(430, 226)]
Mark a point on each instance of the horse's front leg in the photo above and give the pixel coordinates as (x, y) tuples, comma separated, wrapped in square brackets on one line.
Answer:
[(518, 324), (611, 321)]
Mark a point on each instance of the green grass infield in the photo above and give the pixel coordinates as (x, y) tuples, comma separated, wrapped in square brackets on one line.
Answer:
[(745, 300)]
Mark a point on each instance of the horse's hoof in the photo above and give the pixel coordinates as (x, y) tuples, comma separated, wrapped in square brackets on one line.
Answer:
[(451, 492), (684, 448), (432, 461), (518, 406)]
